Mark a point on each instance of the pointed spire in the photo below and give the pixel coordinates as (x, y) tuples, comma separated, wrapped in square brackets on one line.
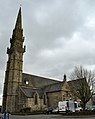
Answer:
[(19, 20)]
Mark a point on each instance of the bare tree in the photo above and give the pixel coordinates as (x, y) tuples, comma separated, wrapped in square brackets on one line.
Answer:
[(82, 85)]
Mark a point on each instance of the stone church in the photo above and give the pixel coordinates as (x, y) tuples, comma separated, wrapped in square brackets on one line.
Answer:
[(23, 90)]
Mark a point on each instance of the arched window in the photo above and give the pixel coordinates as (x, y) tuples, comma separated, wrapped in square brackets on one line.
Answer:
[(44, 99), (26, 82), (36, 99)]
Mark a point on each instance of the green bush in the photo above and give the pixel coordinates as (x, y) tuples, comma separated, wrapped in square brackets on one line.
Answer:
[(25, 110)]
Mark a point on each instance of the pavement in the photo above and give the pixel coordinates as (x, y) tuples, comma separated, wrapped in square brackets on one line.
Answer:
[(79, 116), (51, 116)]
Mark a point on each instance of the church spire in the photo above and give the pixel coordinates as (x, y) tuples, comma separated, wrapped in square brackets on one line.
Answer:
[(17, 36), (19, 20)]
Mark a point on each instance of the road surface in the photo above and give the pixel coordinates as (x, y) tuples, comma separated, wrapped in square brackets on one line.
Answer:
[(48, 117)]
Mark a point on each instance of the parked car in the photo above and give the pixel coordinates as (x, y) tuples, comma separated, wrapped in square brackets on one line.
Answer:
[(88, 108), (56, 110), (79, 109), (47, 110), (93, 107)]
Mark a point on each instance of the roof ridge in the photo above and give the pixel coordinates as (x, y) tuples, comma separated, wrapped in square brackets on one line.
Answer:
[(57, 80)]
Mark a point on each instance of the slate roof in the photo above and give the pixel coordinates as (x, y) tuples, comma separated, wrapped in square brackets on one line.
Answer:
[(76, 83), (38, 81), (40, 84), (54, 87), (29, 92)]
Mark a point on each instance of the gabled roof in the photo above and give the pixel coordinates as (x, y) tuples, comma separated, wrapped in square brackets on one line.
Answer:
[(38, 81), (76, 83), (29, 92), (40, 85), (54, 87)]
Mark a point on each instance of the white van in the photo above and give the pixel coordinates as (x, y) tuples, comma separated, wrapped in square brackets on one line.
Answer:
[(64, 106)]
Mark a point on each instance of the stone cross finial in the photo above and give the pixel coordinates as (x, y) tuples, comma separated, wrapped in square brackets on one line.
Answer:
[(64, 77)]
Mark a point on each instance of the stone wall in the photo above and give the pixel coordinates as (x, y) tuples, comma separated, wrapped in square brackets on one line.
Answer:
[(54, 98)]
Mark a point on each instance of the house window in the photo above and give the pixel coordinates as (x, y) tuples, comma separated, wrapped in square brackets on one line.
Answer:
[(44, 100), (36, 99)]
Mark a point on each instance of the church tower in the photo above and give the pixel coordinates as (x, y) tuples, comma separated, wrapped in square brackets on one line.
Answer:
[(13, 74)]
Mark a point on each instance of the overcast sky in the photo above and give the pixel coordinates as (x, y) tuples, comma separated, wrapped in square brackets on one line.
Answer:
[(59, 34)]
